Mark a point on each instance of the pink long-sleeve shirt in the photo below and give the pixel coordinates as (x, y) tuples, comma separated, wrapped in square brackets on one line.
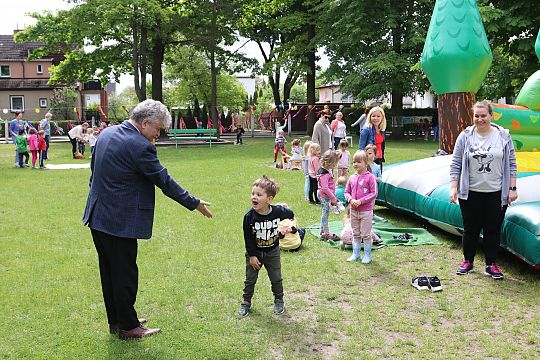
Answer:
[(364, 188), (33, 142), (327, 186), (314, 166)]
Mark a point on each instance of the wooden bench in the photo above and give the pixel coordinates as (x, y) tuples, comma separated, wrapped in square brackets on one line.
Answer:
[(193, 134)]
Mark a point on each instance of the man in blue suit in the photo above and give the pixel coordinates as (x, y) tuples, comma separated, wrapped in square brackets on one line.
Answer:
[(120, 208)]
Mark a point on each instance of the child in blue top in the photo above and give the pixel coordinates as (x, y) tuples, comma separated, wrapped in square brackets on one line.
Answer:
[(371, 152)]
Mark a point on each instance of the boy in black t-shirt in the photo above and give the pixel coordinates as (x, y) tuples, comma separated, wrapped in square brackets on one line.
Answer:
[(261, 236)]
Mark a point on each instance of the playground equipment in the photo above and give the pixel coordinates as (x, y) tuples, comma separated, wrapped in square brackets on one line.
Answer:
[(456, 58)]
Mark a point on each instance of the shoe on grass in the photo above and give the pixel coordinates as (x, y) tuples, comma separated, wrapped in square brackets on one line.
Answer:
[(420, 282), (465, 267), (279, 307), (244, 310), (434, 283), (494, 272)]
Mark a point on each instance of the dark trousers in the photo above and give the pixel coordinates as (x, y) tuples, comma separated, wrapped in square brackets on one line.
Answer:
[(336, 142), (313, 188), (42, 154), (73, 145), (119, 277), (239, 138), (271, 260), (47, 142), (482, 212), (26, 157)]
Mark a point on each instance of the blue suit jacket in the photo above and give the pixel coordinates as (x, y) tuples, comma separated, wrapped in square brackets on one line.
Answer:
[(125, 169)]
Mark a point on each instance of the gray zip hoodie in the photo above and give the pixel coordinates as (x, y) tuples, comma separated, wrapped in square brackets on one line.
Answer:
[(459, 167)]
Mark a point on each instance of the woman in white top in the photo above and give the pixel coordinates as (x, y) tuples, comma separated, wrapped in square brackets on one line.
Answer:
[(76, 133), (339, 128)]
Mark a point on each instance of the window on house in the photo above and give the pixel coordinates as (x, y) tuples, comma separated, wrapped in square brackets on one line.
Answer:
[(5, 71), (42, 102), (40, 69), (17, 103)]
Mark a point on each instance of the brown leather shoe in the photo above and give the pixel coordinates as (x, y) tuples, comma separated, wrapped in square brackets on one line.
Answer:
[(137, 333), (114, 329)]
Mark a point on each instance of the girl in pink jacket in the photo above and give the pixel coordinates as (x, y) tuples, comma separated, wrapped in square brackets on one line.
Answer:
[(360, 192), (33, 143), (327, 190)]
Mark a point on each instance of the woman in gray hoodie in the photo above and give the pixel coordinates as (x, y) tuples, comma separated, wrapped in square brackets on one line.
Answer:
[(483, 179)]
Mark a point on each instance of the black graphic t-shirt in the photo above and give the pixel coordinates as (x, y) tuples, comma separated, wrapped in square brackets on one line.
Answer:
[(261, 231)]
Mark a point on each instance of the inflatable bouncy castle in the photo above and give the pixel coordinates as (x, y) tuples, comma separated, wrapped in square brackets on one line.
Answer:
[(422, 187)]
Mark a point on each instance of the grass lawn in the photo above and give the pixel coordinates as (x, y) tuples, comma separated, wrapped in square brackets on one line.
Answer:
[(192, 273)]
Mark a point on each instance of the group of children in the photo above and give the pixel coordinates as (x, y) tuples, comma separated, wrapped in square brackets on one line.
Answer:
[(89, 137), (263, 223), (35, 141)]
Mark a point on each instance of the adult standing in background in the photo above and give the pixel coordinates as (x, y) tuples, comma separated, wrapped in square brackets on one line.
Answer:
[(45, 125), (15, 126), (339, 129), (120, 208), (483, 180), (77, 134), (360, 123), (373, 133), (322, 132)]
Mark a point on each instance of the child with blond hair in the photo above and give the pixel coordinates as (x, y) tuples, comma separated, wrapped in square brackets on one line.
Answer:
[(313, 169), (360, 192), (261, 237), (327, 189), (305, 167), (340, 190), (345, 159), (295, 161), (371, 152)]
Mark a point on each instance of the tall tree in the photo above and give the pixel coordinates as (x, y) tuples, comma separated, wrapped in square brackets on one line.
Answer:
[(511, 27), (383, 43), (107, 38), (277, 27)]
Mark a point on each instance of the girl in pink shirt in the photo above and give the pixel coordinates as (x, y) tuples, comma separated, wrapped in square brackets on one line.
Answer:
[(327, 190), (345, 160), (313, 169), (360, 192), (33, 142)]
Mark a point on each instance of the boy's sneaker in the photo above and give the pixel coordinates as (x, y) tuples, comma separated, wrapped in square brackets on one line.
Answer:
[(434, 283), (494, 272), (420, 283), (465, 267), (279, 307), (244, 310)]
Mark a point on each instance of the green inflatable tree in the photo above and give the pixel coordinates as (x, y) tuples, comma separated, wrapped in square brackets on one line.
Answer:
[(456, 59), (529, 94)]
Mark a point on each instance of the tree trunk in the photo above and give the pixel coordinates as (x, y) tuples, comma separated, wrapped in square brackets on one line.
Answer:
[(213, 72), (455, 114), (157, 73), (397, 110), (310, 80)]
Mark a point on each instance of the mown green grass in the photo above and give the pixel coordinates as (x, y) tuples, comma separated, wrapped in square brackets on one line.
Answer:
[(192, 272)]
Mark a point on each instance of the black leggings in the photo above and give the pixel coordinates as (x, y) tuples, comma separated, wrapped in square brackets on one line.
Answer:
[(313, 188), (482, 212)]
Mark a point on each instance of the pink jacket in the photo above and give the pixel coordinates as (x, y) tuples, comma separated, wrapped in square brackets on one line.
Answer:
[(362, 187), (314, 166), (33, 142), (327, 186)]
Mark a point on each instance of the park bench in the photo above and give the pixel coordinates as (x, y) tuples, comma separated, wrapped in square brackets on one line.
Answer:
[(193, 134)]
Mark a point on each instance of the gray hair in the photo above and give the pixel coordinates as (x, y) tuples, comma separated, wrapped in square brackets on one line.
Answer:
[(153, 111), (48, 115)]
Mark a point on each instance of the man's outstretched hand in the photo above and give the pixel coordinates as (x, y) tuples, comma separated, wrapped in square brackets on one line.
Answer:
[(202, 208)]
